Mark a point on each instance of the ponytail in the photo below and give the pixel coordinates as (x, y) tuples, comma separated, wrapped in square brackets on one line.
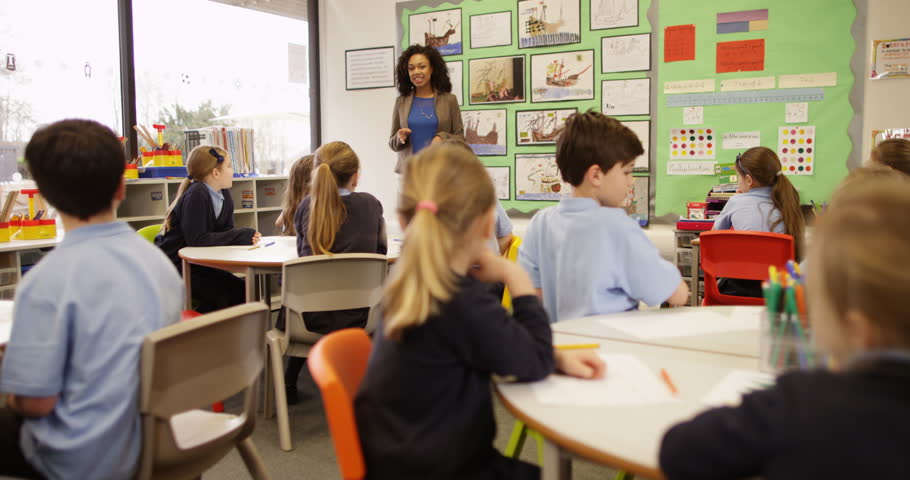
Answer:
[(786, 199), (170, 210), (327, 211)]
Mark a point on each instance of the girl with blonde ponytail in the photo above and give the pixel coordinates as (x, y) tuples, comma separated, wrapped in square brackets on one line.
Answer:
[(424, 408)]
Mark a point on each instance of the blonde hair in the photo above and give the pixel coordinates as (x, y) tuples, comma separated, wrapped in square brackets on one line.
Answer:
[(454, 182), (894, 153), (199, 165), (861, 253), (335, 164), (298, 187)]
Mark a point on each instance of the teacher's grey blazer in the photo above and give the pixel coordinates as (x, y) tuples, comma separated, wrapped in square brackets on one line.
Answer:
[(447, 112)]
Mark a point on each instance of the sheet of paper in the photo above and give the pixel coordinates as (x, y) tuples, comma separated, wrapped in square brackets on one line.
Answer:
[(679, 43), (748, 318), (625, 53), (730, 390), (741, 140), (692, 143), (739, 84), (642, 129), (741, 56), (628, 383), (626, 97), (690, 167), (693, 115), (796, 149), (808, 80), (689, 86), (6, 320), (677, 325), (797, 112)]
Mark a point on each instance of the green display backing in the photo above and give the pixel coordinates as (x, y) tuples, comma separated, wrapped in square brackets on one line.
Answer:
[(810, 36), (590, 39)]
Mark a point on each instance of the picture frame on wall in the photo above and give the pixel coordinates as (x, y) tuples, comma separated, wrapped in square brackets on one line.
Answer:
[(625, 97), (625, 53), (540, 127), (562, 76), (496, 80), (491, 29), (502, 181), (642, 129), (545, 23), (456, 76), (636, 204), (607, 14), (485, 131), (537, 177), (440, 29), (369, 68)]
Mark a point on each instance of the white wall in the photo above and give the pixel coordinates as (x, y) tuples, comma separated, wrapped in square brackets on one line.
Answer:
[(362, 118), (887, 102)]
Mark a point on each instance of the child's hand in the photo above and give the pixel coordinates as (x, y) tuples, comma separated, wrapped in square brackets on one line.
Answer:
[(256, 237), (580, 363), (490, 268)]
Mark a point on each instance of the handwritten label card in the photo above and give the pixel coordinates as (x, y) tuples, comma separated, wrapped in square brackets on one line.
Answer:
[(797, 112), (679, 43), (741, 140), (739, 84), (689, 86), (693, 115), (741, 56), (808, 80), (690, 168)]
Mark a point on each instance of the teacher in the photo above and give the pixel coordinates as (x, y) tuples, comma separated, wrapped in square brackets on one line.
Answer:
[(425, 111)]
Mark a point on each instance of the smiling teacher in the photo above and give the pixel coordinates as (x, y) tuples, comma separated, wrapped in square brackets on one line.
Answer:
[(425, 111)]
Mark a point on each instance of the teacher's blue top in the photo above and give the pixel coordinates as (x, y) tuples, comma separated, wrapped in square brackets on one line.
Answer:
[(423, 122)]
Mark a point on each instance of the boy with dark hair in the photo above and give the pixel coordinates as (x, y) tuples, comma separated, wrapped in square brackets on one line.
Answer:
[(71, 368), (585, 255)]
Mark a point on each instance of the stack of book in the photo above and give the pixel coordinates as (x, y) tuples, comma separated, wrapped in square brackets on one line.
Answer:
[(237, 141), (717, 198)]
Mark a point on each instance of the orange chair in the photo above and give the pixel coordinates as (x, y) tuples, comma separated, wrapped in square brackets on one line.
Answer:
[(740, 254), (338, 362)]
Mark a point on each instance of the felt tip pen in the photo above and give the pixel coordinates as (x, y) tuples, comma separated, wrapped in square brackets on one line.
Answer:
[(669, 381), (269, 244)]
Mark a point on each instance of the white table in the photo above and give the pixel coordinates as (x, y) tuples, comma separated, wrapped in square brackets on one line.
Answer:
[(626, 438), (743, 343)]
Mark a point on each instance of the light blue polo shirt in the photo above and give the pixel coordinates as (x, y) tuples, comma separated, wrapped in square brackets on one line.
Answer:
[(592, 260), (502, 226), (752, 211), (217, 199), (79, 319)]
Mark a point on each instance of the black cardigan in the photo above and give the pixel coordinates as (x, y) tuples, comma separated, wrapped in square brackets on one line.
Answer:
[(193, 224), (424, 408), (816, 424)]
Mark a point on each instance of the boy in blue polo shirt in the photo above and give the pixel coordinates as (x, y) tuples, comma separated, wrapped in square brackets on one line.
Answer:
[(585, 255), (71, 368)]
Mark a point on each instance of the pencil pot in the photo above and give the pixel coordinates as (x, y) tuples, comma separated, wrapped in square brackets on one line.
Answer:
[(47, 228), (786, 343), (31, 229), (4, 232), (15, 229)]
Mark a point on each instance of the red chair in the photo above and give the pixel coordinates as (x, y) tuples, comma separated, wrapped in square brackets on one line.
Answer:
[(185, 315), (338, 362), (740, 254)]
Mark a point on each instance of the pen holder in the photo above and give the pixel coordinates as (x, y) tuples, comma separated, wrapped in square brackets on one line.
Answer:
[(4, 232), (15, 227), (786, 343)]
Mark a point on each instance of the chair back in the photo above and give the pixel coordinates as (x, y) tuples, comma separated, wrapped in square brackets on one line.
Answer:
[(150, 232), (321, 283), (741, 254), (512, 255), (190, 365), (338, 363)]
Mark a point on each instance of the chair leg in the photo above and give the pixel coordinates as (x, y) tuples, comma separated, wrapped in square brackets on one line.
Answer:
[(539, 438), (281, 400), (268, 403), (516, 440), (253, 461)]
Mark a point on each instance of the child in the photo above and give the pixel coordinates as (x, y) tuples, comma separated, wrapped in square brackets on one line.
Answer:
[(424, 408), (894, 153), (335, 219), (203, 216), (298, 187), (767, 202), (846, 422), (585, 255), (71, 368)]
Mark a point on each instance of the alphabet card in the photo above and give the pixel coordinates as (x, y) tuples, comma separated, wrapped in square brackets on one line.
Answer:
[(693, 143), (796, 149)]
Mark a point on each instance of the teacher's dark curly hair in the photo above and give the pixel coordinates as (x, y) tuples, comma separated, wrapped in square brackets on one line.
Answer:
[(439, 79)]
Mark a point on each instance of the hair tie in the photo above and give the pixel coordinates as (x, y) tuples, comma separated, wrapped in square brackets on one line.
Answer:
[(779, 173), (216, 155), (428, 205), (189, 177)]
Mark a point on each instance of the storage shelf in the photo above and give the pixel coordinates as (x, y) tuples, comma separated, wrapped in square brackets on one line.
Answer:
[(269, 209)]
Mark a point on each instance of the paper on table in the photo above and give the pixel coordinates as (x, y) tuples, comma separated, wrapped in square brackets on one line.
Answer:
[(730, 390), (628, 382), (680, 325)]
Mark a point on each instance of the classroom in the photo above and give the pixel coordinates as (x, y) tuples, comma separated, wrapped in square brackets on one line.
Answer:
[(664, 177)]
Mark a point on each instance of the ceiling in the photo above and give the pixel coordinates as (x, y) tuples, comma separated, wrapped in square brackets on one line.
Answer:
[(286, 8)]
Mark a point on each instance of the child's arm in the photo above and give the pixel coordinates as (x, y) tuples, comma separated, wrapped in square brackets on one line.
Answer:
[(680, 295), (32, 407), (645, 275), (195, 221)]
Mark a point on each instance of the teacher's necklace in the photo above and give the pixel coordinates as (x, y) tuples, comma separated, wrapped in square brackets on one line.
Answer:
[(425, 114)]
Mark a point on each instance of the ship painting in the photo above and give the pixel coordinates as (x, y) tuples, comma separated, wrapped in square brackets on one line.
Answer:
[(557, 76), (562, 76), (541, 26), (541, 127), (436, 41), (482, 131), (440, 30), (537, 177)]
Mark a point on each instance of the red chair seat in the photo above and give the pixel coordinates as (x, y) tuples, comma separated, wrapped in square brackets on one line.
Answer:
[(741, 254)]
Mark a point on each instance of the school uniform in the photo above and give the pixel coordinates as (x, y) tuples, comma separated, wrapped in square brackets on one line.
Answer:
[(815, 424), (204, 217), (80, 317), (591, 260), (424, 408)]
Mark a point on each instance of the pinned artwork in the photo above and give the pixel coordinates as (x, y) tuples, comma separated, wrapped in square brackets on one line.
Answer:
[(456, 76), (544, 23), (501, 182), (440, 30), (796, 149), (642, 129), (797, 112), (537, 177), (496, 80), (613, 14), (626, 97), (485, 131), (626, 53), (539, 127), (693, 143), (562, 76)]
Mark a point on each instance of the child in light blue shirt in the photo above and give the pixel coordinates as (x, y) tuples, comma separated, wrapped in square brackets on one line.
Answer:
[(586, 256)]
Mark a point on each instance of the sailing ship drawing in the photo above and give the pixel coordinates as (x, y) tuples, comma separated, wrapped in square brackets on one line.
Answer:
[(484, 131), (440, 30), (537, 177), (613, 14), (562, 76), (497, 80), (541, 127), (542, 24), (558, 77)]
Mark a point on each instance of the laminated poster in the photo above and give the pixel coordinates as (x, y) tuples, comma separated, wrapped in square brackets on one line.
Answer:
[(796, 149)]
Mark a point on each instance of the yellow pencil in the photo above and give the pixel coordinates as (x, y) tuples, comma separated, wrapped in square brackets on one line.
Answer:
[(254, 248), (577, 346)]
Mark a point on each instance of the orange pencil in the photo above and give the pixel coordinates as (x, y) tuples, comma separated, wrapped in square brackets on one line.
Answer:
[(669, 381)]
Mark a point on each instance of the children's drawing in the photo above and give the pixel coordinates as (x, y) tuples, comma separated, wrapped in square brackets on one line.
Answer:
[(626, 53), (636, 203), (540, 127), (562, 76), (456, 76), (485, 131), (537, 177), (440, 30), (491, 30), (548, 22), (613, 14), (497, 80), (501, 182), (626, 97), (642, 129)]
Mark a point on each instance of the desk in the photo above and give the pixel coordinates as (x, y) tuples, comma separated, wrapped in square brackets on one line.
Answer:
[(627, 438), (740, 343)]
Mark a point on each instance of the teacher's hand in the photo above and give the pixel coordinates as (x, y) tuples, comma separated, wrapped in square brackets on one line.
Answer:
[(403, 135)]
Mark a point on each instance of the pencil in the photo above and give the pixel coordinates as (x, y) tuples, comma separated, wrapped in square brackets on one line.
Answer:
[(669, 381), (577, 346), (254, 247)]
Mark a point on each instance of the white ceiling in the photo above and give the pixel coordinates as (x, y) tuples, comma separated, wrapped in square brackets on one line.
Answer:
[(286, 8)]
